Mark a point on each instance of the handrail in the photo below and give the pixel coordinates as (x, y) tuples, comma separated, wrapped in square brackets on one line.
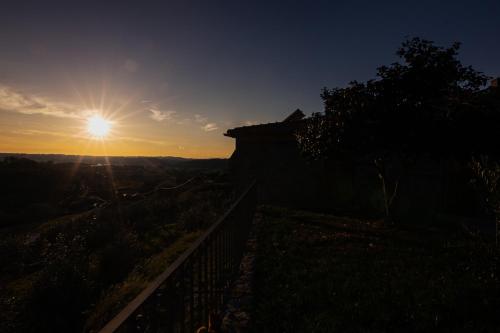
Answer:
[(217, 251)]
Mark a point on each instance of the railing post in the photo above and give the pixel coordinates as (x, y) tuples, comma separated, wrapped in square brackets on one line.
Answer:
[(206, 283), (183, 297)]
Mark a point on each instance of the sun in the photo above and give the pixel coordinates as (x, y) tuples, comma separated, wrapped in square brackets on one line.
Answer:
[(98, 127)]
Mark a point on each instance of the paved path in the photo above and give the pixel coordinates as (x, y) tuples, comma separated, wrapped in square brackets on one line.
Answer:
[(238, 308)]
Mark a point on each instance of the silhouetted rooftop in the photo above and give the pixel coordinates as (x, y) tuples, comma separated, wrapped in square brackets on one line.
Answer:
[(291, 123)]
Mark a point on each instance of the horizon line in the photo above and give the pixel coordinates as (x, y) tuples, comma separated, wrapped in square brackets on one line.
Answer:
[(125, 156)]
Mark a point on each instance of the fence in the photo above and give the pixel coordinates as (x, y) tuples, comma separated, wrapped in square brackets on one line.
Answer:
[(180, 299)]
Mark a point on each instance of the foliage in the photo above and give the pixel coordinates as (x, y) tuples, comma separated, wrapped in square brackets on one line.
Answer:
[(429, 104), (487, 181), (409, 109), (487, 174)]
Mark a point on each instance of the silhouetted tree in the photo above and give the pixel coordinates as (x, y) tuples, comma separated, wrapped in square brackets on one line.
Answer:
[(427, 104)]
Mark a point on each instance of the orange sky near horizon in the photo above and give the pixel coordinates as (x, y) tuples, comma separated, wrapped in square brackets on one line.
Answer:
[(30, 123), (41, 143)]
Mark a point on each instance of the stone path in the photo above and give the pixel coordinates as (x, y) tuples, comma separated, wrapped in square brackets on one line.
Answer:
[(237, 310)]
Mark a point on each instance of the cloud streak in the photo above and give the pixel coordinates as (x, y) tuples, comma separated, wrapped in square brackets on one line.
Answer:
[(207, 126), (16, 101), (158, 115), (210, 127), (32, 132), (200, 119), (141, 140)]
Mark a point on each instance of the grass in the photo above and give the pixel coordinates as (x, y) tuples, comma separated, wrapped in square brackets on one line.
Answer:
[(120, 294), (320, 273)]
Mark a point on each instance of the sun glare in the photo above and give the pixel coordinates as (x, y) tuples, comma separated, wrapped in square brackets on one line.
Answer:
[(98, 127)]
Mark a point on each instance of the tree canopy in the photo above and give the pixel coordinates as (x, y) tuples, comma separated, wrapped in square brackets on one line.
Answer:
[(428, 103)]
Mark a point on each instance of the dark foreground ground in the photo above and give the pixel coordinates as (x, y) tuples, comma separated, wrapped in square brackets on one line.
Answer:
[(319, 273), (79, 241)]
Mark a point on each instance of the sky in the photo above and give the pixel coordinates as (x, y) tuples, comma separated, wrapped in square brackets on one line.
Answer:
[(170, 77)]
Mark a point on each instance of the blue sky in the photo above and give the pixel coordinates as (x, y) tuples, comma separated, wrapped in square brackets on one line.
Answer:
[(182, 72)]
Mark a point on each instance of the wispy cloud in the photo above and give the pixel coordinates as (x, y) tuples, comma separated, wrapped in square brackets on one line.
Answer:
[(140, 140), (210, 127), (34, 132), (206, 125), (200, 119), (184, 121), (161, 115), (16, 101), (156, 113)]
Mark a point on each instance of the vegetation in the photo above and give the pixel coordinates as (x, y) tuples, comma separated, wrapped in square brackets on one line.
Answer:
[(429, 104), (320, 273), (76, 268), (487, 181)]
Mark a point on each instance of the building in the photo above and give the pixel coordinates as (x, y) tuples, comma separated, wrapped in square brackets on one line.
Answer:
[(269, 153)]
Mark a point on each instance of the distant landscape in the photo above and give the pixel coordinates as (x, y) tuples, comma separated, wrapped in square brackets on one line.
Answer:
[(170, 161), (79, 237)]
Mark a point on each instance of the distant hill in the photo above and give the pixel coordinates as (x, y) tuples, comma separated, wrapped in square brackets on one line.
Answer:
[(166, 161)]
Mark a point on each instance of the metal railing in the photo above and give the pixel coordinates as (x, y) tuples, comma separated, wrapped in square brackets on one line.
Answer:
[(197, 283)]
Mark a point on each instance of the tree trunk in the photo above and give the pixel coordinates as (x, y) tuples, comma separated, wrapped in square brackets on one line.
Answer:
[(389, 195)]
